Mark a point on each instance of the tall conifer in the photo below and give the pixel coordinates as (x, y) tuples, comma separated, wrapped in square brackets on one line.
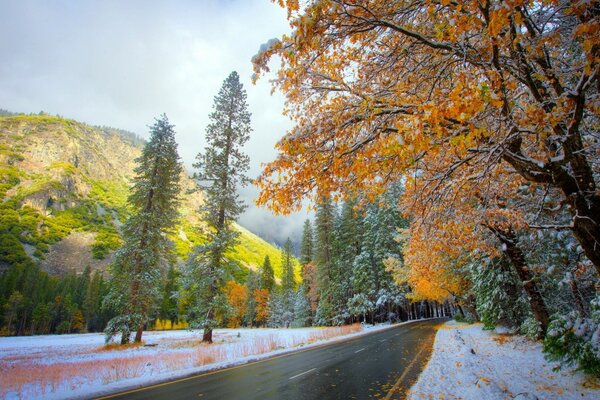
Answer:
[(221, 171), (154, 201)]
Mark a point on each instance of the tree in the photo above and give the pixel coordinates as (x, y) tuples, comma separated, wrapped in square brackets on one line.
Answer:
[(137, 269), (169, 308), (238, 297), (252, 284), (288, 283), (324, 258), (301, 308), (307, 246), (267, 275), (92, 303), (221, 170), (382, 89), (261, 299), (310, 283)]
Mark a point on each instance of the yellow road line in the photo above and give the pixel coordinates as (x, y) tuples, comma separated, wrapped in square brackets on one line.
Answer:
[(406, 370)]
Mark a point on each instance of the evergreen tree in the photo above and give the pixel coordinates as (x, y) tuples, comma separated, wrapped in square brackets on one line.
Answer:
[(301, 308), (324, 258), (267, 275), (252, 284), (136, 272), (307, 245), (221, 170), (288, 284), (92, 303), (169, 308)]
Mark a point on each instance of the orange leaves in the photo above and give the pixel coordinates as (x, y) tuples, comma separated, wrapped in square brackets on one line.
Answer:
[(434, 94), (238, 296), (261, 298)]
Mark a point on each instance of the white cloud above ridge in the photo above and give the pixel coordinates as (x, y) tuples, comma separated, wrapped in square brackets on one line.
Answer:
[(123, 63)]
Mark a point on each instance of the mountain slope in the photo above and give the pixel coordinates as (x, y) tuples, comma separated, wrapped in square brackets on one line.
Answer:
[(64, 187)]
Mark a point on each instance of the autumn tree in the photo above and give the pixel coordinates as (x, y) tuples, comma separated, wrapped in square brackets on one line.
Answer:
[(261, 299), (137, 269), (237, 295), (380, 89), (222, 169)]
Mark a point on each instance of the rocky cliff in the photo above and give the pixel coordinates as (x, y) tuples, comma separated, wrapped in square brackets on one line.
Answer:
[(64, 186)]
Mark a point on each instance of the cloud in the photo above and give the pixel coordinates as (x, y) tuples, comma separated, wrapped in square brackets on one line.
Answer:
[(122, 63)]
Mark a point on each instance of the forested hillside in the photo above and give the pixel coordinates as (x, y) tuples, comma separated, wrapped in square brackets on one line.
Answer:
[(64, 186)]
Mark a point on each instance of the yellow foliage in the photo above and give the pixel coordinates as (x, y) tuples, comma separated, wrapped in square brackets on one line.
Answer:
[(167, 325)]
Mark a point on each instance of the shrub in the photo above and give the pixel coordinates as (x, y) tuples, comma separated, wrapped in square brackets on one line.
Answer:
[(573, 339)]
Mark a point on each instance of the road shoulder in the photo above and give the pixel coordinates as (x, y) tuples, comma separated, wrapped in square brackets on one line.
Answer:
[(470, 363)]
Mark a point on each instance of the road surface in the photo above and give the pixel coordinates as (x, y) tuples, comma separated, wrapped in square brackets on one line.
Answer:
[(381, 365)]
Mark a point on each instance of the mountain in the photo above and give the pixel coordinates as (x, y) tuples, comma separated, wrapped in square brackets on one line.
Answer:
[(64, 186)]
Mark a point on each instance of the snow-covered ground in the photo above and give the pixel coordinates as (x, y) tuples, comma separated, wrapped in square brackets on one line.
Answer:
[(470, 363), (77, 366)]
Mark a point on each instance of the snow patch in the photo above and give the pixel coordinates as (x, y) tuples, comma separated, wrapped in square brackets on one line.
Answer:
[(470, 363)]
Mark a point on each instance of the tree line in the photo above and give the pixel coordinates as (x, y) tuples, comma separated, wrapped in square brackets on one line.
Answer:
[(343, 277)]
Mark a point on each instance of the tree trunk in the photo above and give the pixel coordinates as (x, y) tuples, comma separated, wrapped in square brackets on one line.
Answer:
[(577, 296), (207, 336), (517, 258), (138, 334), (462, 313), (124, 337), (586, 225)]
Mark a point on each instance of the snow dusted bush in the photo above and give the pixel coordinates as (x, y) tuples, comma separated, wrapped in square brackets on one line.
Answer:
[(574, 339), (530, 327), (499, 295)]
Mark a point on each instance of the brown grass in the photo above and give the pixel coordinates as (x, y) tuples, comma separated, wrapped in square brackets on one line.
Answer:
[(117, 347), (502, 338), (30, 378)]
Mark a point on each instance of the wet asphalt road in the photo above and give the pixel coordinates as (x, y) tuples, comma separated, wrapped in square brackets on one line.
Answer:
[(381, 365)]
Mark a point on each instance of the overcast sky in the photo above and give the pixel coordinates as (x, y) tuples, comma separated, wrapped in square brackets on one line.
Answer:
[(122, 63)]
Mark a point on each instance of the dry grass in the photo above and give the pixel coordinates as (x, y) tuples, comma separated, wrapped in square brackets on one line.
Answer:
[(502, 338), (117, 347), (29, 377)]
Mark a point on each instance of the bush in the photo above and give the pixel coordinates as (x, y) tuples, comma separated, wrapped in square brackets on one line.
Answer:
[(530, 327), (458, 317), (573, 339)]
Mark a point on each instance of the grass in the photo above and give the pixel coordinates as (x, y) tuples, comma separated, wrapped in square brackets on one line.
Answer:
[(29, 376)]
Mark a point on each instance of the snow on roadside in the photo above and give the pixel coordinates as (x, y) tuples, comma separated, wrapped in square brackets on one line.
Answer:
[(80, 366), (472, 364)]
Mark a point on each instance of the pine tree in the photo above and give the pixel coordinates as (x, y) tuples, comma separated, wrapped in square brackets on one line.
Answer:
[(136, 272), (252, 284), (169, 309), (324, 258), (288, 284), (267, 275), (307, 246), (301, 308), (221, 170)]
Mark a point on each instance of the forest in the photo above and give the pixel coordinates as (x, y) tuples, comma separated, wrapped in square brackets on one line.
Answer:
[(449, 148)]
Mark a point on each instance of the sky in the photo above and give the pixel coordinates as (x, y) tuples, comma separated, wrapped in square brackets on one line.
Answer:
[(123, 63)]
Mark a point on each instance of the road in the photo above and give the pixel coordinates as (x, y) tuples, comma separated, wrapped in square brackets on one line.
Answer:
[(381, 365)]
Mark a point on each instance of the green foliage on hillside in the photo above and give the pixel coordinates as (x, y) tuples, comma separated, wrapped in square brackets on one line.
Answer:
[(101, 210), (251, 252)]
